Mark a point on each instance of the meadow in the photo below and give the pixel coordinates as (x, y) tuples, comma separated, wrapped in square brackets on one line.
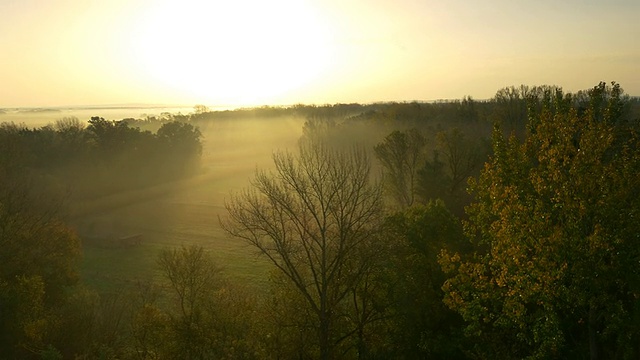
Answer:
[(184, 212)]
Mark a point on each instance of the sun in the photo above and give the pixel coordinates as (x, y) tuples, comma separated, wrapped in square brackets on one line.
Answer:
[(232, 52)]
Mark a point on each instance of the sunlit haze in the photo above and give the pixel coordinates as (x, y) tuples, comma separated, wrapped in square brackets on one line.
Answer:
[(250, 52)]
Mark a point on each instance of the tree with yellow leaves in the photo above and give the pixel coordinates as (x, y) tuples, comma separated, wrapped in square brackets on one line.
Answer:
[(555, 222)]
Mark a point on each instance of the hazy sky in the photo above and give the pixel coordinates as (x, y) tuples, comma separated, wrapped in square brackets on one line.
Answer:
[(253, 52)]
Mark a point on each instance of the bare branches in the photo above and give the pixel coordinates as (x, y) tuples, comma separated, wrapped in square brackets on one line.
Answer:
[(402, 154), (314, 218)]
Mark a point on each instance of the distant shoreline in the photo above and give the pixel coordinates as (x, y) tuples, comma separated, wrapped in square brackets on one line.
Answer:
[(35, 109), (42, 116)]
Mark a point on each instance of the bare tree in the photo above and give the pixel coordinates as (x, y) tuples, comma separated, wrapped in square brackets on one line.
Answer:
[(193, 279), (401, 154), (462, 156), (316, 218)]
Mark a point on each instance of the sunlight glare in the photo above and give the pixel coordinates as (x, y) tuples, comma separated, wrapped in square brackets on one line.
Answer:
[(236, 52)]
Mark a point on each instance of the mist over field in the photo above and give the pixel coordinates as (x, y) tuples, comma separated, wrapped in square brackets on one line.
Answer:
[(336, 231), (319, 179), (185, 212)]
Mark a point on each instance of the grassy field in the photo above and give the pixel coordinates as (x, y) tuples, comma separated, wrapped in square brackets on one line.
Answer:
[(184, 212)]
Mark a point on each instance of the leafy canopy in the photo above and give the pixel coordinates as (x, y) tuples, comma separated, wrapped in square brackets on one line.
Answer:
[(555, 224)]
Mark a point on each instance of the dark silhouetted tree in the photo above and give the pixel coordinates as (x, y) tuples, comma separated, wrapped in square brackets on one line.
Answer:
[(317, 220), (401, 154)]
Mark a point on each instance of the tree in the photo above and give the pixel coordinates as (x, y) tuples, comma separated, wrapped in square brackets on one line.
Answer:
[(181, 147), (511, 107), (317, 220), (109, 136), (37, 263), (72, 141), (555, 271), (425, 327), (15, 153), (461, 156), (210, 317), (401, 154), (181, 137), (468, 110), (456, 158), (193, 279), (200, 109)]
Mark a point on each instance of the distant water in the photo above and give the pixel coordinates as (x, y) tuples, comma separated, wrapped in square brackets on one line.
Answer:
[(37, 117)]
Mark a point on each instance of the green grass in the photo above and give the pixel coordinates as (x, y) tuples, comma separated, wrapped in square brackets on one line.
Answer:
[(180, 213), (108, 270), (184, 218)]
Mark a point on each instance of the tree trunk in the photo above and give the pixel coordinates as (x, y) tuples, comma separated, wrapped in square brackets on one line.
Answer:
[(362, 347), (593, 346), (325, 347)]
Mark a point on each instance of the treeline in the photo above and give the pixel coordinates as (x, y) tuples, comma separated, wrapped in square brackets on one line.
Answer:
[(499, 229), (101, 157)]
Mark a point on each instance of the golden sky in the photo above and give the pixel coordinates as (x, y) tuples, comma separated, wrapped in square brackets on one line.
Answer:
[(255, 52)]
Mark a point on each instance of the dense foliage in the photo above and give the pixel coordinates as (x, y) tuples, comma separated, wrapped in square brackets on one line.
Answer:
[(555, 271), (38, 264)]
